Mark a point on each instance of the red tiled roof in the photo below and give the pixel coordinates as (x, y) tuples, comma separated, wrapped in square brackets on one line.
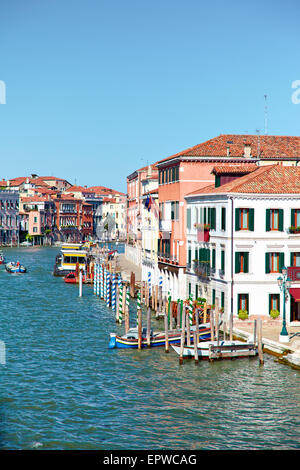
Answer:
[(239, 169), (270, 146), (103, 190), (267, 179), (79, 189)]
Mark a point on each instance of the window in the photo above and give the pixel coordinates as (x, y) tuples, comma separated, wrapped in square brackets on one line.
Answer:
[(274, 220), (222, 300), (274, 262), (243, 302), (223, 218), (213, 296), (241, 262), (34, 229), (35, 220), (295, 259), (295, 217), (188, 218), (175, 210), (189, 255), (244, 219), (223, 261), (274, 302), (213, 258)]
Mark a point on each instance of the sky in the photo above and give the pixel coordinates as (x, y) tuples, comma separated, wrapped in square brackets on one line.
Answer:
[(93, 90)]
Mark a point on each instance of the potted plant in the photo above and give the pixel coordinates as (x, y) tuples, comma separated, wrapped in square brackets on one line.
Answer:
[(243, 314), (274, 313)]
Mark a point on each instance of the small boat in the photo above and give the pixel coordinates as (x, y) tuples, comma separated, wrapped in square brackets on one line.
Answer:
[(13, 267), (203, 349), (130, 339), (72, 278), (2, 258)]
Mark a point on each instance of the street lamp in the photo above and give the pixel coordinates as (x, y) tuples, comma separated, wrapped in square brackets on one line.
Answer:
[(284, 284)]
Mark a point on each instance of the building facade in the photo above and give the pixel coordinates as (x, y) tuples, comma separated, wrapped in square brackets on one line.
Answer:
[(240, 236)]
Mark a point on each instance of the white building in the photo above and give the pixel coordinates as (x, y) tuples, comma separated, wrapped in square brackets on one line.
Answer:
[(251, 238)]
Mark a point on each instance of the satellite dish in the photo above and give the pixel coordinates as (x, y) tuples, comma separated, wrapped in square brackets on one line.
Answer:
[(105, 227)]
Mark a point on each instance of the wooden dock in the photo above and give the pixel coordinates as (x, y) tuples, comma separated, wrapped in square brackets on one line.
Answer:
[(216, 352)]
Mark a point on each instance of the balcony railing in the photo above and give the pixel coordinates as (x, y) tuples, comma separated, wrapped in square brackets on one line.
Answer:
[(166, 257), (202, 269)]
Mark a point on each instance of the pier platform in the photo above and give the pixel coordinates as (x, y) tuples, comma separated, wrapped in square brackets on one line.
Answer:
[(127, 267), (288, 353)]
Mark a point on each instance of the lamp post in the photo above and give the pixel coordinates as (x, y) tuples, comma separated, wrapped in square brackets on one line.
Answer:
[(284, 284)]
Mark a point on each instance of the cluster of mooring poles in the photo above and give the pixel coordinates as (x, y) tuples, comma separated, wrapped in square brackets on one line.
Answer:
[(178, 315)]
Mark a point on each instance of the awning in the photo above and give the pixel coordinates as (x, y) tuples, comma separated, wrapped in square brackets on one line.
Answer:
[(296, 294)]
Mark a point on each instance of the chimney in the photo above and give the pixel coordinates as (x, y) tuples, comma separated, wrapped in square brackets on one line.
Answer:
[(247, 150), (228, 150)]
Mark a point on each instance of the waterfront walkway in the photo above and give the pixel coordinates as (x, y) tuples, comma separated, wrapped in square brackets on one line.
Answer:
[(270, 338), (127, 267)]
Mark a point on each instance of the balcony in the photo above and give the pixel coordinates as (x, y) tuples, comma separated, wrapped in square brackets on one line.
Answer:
[(167, 258), (202, 269), (165, 225)]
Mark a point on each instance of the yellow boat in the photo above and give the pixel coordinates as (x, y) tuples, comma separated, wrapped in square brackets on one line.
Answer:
[(68, 258)]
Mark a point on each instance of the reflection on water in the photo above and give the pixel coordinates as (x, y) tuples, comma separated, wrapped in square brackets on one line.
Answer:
[(61, 387)]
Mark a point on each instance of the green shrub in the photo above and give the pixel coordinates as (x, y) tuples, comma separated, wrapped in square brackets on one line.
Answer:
[(243, 314), (274, 313)]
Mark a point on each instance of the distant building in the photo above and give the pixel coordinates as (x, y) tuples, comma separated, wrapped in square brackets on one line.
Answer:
[(9, 217)]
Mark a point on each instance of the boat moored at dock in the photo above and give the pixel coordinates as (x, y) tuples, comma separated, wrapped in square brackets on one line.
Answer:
[(130, 339)]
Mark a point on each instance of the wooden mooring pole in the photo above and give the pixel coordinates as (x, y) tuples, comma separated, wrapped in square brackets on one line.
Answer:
[(259, 341), (148, 327), (166, 333), (182, 339)]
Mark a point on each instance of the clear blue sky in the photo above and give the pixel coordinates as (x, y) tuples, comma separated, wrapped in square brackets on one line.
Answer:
[(96, 89)]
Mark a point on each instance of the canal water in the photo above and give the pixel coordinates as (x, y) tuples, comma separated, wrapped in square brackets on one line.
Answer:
[(62, 388)]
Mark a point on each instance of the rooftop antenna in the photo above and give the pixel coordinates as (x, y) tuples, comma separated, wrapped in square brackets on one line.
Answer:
[(266, 115)]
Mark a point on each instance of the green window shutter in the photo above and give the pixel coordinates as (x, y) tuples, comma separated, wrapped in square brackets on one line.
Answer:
[(223, 260), (214, 296), (267, 220), (237, 220), (209, 215), (280, 225), (208, 255), (222, 299), (213, 258), (223, 218), (238, 302), (292, 217), (281, 261), (213, 218), (196, 254), (188, 218), (246, 262), (247, 303), (267, 256), (292, 258), (270, 302), (189, 256), (237, 262), (204, 216), (217, 181), (251, 220)]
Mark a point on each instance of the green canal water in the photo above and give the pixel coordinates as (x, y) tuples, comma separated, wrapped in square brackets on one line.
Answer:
[(62, 388)]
